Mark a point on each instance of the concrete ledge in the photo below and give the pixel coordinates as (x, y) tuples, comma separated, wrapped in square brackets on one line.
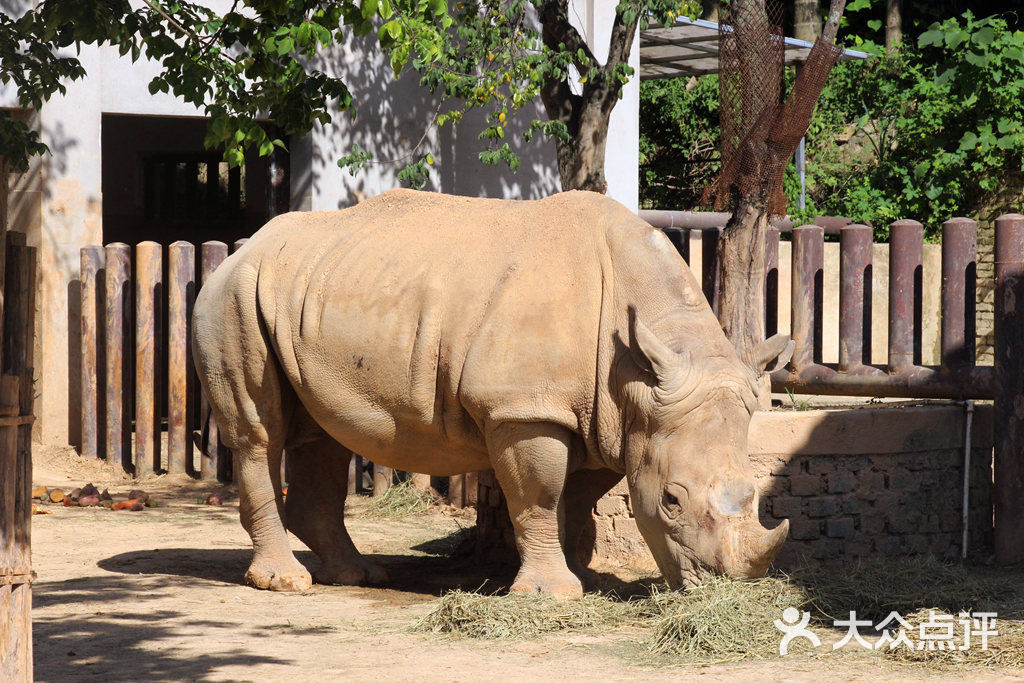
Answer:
[(868, 430)]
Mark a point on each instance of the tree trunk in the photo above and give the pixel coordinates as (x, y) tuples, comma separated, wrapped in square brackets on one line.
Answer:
[(893, 24), (710, 9), (581, 158), (742, 272), (806, 20)]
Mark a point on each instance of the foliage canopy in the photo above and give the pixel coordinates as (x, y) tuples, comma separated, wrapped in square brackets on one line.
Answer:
[(929, 131)]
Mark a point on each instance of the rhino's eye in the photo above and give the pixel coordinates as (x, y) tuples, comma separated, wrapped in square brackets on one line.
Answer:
[(671, 500)]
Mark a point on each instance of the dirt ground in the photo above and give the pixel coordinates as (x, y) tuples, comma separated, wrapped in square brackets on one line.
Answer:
[(157, 595)]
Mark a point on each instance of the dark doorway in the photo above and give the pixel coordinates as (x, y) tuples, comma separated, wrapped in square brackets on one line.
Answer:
[(161, 184)]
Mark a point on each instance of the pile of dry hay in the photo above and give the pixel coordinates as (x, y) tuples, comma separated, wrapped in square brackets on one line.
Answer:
[(727, 620), (721, 619), (519, 616), (401, 500)]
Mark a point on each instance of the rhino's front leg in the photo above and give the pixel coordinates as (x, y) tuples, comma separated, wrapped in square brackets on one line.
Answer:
[(531, 461)]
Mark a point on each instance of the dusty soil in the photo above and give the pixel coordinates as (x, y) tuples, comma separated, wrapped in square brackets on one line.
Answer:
[(157, 595)]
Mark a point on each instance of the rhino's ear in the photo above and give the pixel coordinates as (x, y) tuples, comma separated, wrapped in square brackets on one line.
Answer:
[(649, 352), (778, 348)]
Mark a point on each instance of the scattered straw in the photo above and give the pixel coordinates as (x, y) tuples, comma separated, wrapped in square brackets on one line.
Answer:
[(728, 620), (401, 500), (516, 616), (720, 620), (1003, 650)]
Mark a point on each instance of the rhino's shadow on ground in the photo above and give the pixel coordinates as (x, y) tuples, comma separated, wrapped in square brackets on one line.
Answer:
[(446, 563)]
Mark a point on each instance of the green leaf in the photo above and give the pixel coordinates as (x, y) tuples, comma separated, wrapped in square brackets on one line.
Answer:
[(946, 76), (369, 9), (955, 39), (984, 36), (929, 38), (977, 60), (968, 142), (1008, 142), (874, 24), (284, 46)]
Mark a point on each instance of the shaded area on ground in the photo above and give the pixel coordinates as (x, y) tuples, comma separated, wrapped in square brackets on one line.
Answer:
[(142, 644)]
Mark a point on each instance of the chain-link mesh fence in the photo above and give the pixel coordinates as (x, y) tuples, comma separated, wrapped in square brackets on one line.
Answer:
[(760, 131)]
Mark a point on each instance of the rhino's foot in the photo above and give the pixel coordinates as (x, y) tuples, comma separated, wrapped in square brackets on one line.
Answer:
[(361, 574), (562, 584), (290, 576)]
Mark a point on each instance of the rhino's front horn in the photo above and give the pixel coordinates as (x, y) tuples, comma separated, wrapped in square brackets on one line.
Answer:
[(762, 554), (751, 548)]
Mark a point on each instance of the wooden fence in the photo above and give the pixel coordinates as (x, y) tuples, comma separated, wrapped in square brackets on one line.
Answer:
[(141, 407), (17, 313)]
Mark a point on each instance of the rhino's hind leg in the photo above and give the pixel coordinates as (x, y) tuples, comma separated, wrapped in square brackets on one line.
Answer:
[(531, 460), (315, 510), (273, 565)]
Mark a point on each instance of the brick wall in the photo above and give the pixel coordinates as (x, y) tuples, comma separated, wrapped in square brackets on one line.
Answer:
[(853, 483)]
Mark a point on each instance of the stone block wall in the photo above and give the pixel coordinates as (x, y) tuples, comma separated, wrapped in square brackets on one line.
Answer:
[(853, 483)]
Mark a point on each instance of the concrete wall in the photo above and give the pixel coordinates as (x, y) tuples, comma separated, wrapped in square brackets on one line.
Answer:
[(853, 483)]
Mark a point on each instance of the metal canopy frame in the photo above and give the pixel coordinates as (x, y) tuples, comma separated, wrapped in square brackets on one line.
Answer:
[(690, 48)]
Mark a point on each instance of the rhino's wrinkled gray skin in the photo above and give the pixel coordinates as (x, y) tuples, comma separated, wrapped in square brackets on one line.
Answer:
[(562, 342)]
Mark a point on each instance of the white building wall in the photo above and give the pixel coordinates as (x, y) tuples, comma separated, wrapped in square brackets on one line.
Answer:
[(622, 157)]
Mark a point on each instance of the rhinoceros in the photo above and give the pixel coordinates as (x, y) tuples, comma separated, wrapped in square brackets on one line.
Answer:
[(562, 342)]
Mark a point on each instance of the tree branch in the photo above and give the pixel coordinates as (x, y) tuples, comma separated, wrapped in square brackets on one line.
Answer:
[(621, 41), (835, 14), (557, 30), (560, 102), (619, 46)]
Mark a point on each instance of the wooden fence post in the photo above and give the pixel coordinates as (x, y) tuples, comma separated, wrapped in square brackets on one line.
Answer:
[(16, 403), (91, 264), (711, 278), (15, 558), (181, 272), (456, 490), (148, 290), (1008, 480), (213, 461), (906, 247), (117, 342)]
